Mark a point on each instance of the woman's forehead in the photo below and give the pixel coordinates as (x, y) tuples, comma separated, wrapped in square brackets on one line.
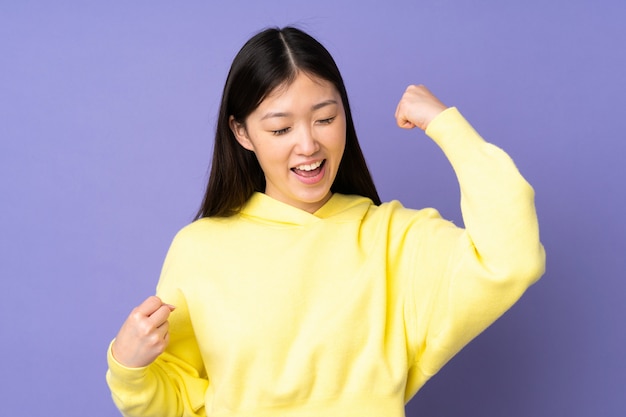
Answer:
[(304, 90)]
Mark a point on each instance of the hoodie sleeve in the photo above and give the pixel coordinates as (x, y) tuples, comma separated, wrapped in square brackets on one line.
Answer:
[(465, 278), (175, 383)]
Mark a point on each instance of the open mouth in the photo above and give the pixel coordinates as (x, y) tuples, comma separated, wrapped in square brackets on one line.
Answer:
[(309, 171)]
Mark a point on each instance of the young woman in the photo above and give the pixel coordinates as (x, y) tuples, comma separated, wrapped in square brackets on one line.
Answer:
[(296, 292)]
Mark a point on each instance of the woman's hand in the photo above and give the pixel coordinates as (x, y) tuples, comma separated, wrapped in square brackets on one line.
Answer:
[(144, 335), (418, 107)]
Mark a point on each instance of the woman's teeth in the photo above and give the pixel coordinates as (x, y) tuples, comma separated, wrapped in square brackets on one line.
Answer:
[(309, 167)]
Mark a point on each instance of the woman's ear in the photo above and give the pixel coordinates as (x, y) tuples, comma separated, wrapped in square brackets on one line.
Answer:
[(240, 132)]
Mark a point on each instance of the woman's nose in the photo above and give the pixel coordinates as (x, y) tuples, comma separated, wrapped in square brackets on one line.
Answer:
[(307, 143)]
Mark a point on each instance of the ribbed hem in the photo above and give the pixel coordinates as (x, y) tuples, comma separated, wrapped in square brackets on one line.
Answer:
[(453, 134), (121, 375), (361, 407)]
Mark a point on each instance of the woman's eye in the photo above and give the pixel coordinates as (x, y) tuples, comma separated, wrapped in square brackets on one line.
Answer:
[(326, 121), (280, 131)]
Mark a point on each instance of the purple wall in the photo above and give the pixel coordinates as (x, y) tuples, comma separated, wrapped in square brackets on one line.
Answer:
[(106, 118)]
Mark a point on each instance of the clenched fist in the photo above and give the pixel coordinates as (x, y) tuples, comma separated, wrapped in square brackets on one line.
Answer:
[(144, 335), (417, 108)]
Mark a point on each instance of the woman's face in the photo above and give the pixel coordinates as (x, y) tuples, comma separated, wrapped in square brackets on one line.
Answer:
[(298, 134)]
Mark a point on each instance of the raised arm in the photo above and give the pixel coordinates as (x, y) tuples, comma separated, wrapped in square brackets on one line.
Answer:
[(483, 268), (496, 201)]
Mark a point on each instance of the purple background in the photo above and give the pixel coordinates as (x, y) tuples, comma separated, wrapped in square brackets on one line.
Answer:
[(107, 112)]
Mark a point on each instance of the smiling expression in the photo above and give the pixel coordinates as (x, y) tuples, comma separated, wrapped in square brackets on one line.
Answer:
[(298, 134)]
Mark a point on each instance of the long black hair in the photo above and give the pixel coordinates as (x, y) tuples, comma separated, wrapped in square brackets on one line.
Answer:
[(270, 59)]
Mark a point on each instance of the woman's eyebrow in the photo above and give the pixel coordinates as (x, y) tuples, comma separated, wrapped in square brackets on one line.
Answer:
[(287, 114), (323, 104), (275, 114)]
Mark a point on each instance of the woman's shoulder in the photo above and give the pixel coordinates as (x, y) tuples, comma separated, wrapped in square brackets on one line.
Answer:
[(201, 229), (358, 206), (394, 209)]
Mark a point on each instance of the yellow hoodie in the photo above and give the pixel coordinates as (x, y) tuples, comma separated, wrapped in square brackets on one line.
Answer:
[(344, 312)]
